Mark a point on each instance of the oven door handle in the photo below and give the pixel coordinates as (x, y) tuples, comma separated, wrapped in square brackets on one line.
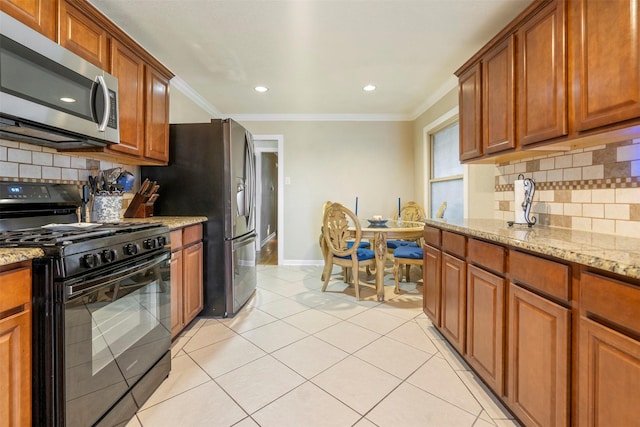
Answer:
[(74, 290)]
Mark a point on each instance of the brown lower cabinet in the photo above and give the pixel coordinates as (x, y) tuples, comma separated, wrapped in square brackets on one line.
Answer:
[(452, 312), (15, 345), (186, 276), (608, 352), (538, 359), (558, 342), (485, 323)]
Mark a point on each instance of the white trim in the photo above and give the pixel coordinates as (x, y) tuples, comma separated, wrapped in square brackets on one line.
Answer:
[(266, 239), (194, 96), (436, 96), (321, 117), (281, 231)]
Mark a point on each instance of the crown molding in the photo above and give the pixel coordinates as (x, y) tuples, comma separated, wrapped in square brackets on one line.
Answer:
[(194, 96), (321, 117), (451, 83)]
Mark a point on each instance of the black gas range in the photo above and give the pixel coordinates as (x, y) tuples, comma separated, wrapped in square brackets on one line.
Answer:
[(101, 306)]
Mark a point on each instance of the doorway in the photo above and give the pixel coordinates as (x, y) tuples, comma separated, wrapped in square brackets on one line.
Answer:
[(268, 152)]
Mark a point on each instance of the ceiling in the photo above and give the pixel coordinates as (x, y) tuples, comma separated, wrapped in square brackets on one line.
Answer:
[(315, 56)]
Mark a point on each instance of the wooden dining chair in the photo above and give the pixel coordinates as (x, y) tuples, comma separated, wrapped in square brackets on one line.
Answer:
[(408, 256), (335, 229), (410, 211)]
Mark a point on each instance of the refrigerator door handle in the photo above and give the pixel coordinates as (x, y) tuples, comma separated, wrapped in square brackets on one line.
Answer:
[(243, 240), (251, 184)]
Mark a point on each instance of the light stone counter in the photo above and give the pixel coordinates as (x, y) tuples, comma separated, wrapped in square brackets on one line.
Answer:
[(11, 255), (617, 254), (173, 222)]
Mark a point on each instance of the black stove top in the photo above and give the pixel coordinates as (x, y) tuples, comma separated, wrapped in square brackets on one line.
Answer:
[(67, 234)]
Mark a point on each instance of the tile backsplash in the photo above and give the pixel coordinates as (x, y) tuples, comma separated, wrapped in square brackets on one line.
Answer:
[(595, 188), (27, 162)]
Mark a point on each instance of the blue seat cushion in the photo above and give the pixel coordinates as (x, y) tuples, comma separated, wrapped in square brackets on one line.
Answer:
[(408, 252), (395, 244), (363, 255), (362, 245)]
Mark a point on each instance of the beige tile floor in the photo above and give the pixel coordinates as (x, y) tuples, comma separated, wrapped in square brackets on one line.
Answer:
[(295, 356)]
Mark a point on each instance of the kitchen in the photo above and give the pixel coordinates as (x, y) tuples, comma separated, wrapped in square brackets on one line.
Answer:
[(612, 208)]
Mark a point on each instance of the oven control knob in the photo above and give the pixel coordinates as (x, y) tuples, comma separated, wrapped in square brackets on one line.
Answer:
[(150, 244), (162, 241), (90, 260), (131, 248), (108, 255)]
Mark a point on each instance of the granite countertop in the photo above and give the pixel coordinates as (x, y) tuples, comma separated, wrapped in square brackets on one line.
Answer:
[(11, 255), (173, 222), (617, 254)]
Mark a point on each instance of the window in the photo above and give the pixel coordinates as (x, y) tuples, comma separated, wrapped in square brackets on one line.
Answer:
[(446, 173)]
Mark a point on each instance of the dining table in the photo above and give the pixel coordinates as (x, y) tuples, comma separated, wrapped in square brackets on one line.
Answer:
[(378, 232)]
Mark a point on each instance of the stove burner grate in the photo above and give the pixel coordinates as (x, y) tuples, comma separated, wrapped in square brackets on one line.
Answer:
[(43, 237)]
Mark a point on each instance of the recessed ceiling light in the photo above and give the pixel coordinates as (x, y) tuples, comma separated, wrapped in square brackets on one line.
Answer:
[(65, 99), (261, 89), (369, 88)]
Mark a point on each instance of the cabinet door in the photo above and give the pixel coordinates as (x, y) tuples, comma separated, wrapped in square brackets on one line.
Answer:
[(498, 97), (485, 326), (83, 36), (15, 370), (192, 282), (177, 289), (37, 14), (470, 107), (15, 348), (431, 284), (157, 116), (609, 375), (453, 312), (605, 37), (129, 69), (538, 359), (541, 70)]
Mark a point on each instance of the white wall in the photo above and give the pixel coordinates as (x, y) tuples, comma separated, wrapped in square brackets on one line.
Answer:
[(338, 161)]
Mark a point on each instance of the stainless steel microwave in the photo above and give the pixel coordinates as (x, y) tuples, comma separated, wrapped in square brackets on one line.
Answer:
[(51, 96)]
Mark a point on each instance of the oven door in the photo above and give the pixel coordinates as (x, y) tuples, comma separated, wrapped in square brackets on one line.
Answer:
[(117, 326)]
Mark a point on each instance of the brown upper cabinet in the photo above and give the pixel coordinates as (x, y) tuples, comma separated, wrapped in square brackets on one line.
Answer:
[(143, 82), (575, 80), (470, 107), (541, 70), (498, 97), (83, 36), (605, 56), (37, 14)]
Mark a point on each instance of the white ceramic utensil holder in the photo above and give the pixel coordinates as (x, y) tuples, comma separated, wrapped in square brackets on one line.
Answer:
[(106, 208)]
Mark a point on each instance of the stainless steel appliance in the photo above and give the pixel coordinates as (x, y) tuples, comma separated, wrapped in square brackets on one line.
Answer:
[(211, 172), (50, 96), (101, 306)]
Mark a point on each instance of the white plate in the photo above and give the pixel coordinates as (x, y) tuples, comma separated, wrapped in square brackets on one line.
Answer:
[(72, 226)]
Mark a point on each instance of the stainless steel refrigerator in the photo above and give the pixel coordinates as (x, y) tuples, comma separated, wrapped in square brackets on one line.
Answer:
[(211, 172)]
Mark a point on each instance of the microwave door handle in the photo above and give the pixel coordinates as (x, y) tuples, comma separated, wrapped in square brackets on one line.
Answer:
[(102, 126)]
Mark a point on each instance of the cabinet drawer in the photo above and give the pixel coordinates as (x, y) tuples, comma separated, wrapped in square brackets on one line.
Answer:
[(616, 301), (176, 239), (454, 244), (15, 289), (191, 234), (549, 277), (432, 236), (487, 255)]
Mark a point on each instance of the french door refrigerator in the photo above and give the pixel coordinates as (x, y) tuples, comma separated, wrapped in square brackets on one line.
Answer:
[(211, 172)]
